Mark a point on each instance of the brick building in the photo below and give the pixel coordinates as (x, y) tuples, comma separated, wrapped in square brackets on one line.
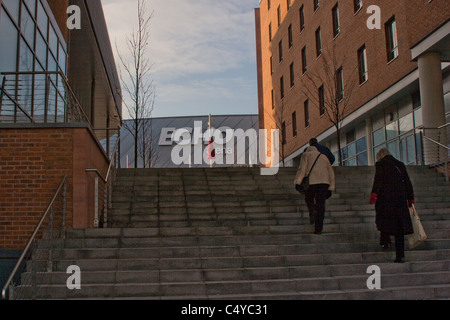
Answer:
[(60, 95), (389, 83)]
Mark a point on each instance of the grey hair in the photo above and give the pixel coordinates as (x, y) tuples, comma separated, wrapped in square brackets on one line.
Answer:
[(382, 153)]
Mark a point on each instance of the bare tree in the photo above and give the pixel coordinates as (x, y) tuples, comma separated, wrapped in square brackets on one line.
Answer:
[(140, 89), (330, 89), (280, 124)]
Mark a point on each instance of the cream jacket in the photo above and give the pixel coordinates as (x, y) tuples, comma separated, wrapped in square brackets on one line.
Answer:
[(322, 173)]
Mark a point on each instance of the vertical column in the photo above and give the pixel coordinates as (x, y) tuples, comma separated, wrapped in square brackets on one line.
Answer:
[(369, 137), (433, 108)]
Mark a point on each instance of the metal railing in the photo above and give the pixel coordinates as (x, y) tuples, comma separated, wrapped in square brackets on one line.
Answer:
[(36, 258), (436, 148), (103, 186), (39, 97)]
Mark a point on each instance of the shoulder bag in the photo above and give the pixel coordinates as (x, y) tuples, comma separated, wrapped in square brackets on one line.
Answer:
[(304, 186)]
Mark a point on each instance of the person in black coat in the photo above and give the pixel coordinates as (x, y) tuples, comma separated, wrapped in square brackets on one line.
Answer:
[(392, 194)]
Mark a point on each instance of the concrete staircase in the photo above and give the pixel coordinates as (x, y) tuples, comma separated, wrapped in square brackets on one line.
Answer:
[(233, 234)]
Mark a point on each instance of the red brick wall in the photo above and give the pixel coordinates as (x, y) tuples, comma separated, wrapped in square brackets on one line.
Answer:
[(32, 164), (412, 24), (425, 17)]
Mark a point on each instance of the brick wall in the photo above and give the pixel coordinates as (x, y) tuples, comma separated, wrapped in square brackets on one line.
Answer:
[(32, 164)]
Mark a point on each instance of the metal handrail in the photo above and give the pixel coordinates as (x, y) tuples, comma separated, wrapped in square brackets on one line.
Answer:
[(441, 159), (33, 236), (66, 86), (106, 181), (437, 143), (111, 162)]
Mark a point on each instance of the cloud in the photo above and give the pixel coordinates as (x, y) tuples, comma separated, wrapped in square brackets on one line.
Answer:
[(208, 40)]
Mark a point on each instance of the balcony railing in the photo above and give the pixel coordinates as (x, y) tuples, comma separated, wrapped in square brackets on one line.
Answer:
[(39, 97)]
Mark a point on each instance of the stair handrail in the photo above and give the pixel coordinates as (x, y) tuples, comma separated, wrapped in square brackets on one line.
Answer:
[(108, 182), (62, 186), (441, 148)]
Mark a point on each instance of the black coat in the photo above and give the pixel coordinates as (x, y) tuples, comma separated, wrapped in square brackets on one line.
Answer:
[(394, 188)]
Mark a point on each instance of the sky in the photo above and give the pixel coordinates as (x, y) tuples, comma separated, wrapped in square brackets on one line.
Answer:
[(203, 53)]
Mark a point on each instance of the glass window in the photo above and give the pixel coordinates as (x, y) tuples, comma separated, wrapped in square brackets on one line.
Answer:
[(42, 20), (419, 148), (336, 22), (62, 58), (362, 159), (410, 150), (391, 39), (41, 49), (418, 117), (27, 27), (51, 108), (351, 150), (31, 6), (53, 41), (52, 65), (8, 44), (344, 153), (379, 137), (26, 57), (13, 8), (61, 109), (393, 148), (362, 64), (361, 145), (406, 124), (392, 130)]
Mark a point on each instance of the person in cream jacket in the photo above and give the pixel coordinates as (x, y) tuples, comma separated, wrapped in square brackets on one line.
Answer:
[(322, 183)]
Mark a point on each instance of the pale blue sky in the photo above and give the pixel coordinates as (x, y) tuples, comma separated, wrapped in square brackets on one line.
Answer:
[(203, 52)]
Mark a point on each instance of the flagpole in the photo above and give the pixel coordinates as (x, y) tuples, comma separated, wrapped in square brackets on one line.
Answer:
[(209, 123)]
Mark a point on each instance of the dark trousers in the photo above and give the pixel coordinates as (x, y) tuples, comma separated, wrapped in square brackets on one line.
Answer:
[(315, 199), (385, 239)]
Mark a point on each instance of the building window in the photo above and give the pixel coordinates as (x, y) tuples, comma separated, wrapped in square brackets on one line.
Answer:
[(29, 42), (294, 124), (283, 133), (357, 5), (271, 65), (306, 109), (355, 153), (304, 61), (302, 18), (362, 64), (340, 84), (292, 74), (391, 39), (273, 100), (268, 4), (336, 24), (282, 87), (280, 50), (270, 32), (279, 15), (322, 101), (316, 5), (291, 39), (318, 42)]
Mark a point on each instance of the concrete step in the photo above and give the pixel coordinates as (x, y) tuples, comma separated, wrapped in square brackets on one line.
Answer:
[(230, 233)]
